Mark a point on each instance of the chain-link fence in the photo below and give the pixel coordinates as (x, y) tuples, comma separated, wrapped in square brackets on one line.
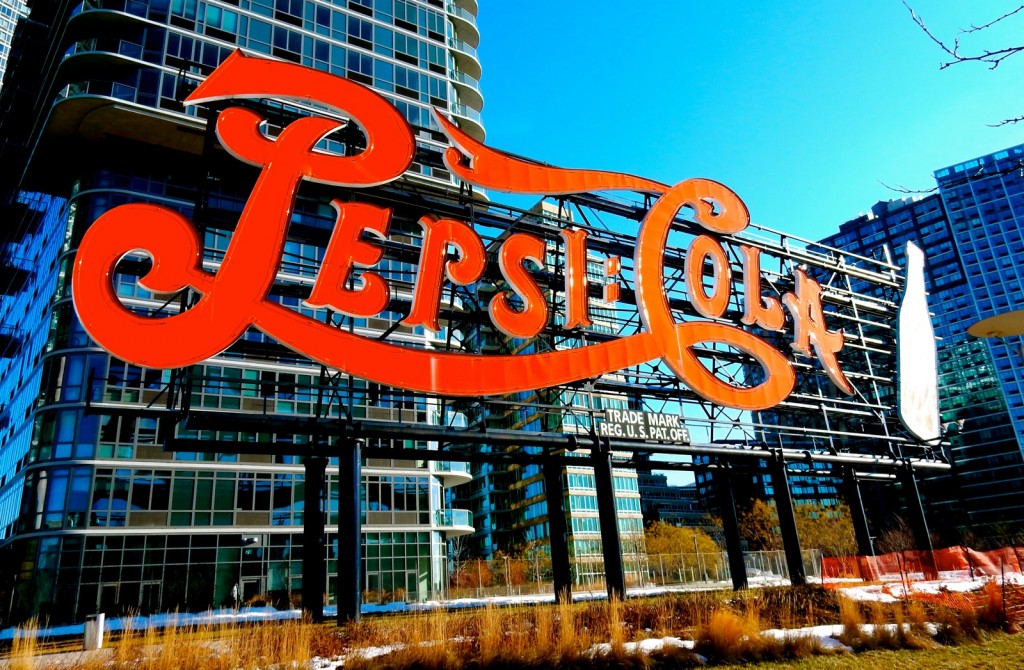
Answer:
[(506, 576)]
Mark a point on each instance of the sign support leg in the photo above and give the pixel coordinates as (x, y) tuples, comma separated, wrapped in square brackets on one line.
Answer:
[(611, 544), (860, 519), (731, 528), (787, 521), (922, 537), (558, 532), (350, 554), (314, 565)]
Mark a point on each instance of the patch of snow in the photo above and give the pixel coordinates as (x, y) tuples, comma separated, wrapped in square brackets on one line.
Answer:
[(374, 652), (893, 592), (645, 647), (868, 594), (826, 636), (320, 663)]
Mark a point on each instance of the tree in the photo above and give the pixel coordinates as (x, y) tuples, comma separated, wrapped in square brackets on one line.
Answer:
[(897, 537), (992, 57), (825, 527), (828, 528), (671, 549), (664, 538), (458, 552), (507, 569), (759, 526), (537, 554), (475, 574), (713, 526)]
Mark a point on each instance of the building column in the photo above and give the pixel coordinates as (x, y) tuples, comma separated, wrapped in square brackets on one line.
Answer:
[(922, 537), (558, 532), (731, 527), (314, 565), (349, 586), (855, 502), (787, 520), (611, 545)]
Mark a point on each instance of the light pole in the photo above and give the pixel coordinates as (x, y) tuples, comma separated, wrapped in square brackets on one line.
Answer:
[(696, 554)]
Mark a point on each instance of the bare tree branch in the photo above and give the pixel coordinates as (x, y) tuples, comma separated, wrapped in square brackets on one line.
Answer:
[(992, 57), (942, 45), (1006, 122), (899, 188), (974, 28)]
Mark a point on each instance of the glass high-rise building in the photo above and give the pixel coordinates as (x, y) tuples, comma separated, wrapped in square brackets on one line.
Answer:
[(10, 12), (94, 514), (972, 232)]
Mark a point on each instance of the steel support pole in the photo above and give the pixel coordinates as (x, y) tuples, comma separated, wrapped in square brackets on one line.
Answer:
[(731, 528), (611, 545), (787, 521), (918, 523), (558, 532), (350, 552), (855, 502), (314, 566)]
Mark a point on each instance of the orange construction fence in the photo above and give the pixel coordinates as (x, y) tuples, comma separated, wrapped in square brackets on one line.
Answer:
[(952, 562)]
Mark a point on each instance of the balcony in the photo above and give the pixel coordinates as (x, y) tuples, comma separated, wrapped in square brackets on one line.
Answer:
[(465, 57), (108, 18), (468, 88), (128, 103), (469, 5), (454, 522), (451, 473), (469, 120), (464, 22)]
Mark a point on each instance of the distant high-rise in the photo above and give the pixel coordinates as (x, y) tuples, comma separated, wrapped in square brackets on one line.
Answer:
[(671, 504), (972, 232), (10, 12), (509, 503)]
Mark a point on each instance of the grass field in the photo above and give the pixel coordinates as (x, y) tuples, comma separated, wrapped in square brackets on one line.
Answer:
[(999, 652)]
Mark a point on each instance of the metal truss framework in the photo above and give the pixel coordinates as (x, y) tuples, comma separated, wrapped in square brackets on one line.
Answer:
[(853, 437)]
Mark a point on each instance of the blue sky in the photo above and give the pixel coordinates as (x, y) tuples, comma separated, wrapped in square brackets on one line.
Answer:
[(802, 108)]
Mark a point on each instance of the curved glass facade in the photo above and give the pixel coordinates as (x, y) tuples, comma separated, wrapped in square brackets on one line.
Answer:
[(96, 515)]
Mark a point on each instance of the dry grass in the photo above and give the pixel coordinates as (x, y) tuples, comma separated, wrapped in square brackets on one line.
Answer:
[(567, 631), (956, 626), (852, 621), (205, 647), (898, 626), (992, 611), (917, 615), (726, 628), (729, 637), (24, 646)]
